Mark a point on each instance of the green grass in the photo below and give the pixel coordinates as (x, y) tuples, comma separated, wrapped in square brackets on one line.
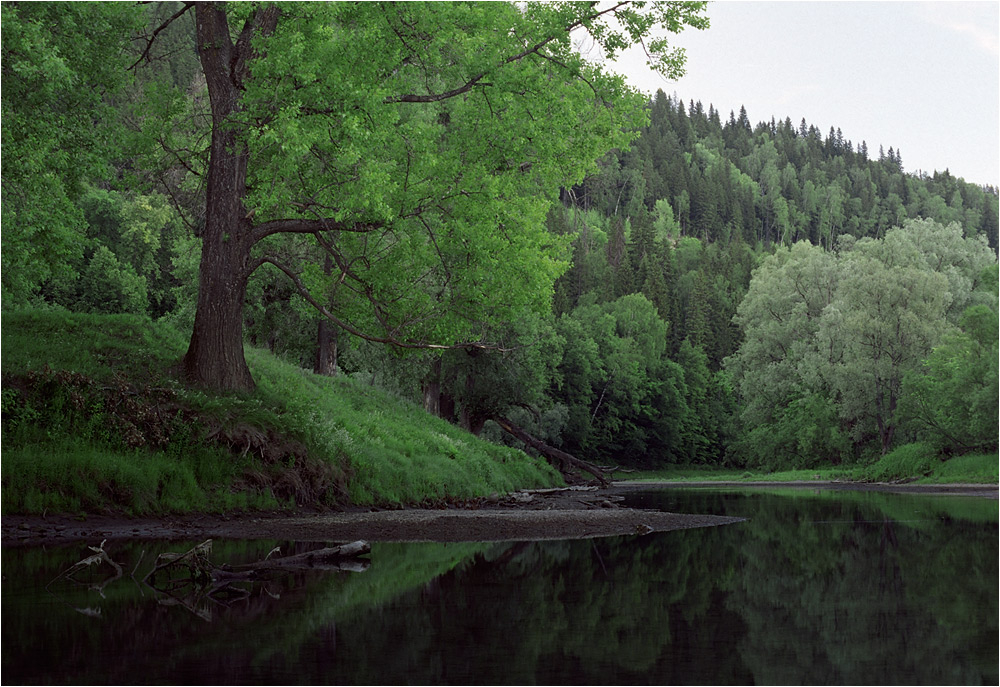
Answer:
[(396, 452), (978, 468), (94, 420), (96, 346)]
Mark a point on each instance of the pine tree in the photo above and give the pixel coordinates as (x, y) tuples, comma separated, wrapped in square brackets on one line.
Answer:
[(744, 122)]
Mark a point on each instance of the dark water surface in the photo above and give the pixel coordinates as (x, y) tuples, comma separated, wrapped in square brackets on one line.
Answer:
[(815, 588)]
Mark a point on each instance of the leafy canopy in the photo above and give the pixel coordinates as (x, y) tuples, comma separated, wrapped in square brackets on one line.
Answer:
[(432, 138)]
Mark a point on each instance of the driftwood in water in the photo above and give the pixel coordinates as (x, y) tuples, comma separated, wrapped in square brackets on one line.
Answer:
[(563, 461), (100, 556)]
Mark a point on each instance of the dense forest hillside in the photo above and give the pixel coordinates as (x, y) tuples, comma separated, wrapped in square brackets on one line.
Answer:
[(724, 293), (656, 351)]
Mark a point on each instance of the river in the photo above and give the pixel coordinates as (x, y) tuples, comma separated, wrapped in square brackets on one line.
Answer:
[(815, 587)]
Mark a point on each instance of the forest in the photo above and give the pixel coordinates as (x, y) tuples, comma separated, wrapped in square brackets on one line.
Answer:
[(527, 246)]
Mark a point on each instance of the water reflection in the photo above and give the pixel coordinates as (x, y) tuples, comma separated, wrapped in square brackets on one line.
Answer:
[(814, 588)]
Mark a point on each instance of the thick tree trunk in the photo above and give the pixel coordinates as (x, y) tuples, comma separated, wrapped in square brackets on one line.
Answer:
[(471, 418), (214, 358), (563, 461), (446, 409)]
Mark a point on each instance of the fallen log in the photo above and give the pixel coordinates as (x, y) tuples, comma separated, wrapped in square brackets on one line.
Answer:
[(564, 462)]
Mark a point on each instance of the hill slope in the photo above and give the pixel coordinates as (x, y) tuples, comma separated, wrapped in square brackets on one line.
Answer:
[(95, 420)]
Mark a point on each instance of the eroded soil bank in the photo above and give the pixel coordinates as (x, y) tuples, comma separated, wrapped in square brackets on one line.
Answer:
[(529, 515)]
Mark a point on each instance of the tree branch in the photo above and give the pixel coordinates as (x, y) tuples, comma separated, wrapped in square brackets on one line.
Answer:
[(162, 27), (263, 22)]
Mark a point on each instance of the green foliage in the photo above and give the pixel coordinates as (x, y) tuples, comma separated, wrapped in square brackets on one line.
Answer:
[(62, 66), (428, 139), (73, 476), (111, 287), (951, 400), (873, 322), (94, 346), (394, 452), (829, 339), (972, 468)]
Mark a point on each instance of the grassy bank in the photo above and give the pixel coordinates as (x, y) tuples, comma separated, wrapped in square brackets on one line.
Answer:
[(910, 463), (95, 419)]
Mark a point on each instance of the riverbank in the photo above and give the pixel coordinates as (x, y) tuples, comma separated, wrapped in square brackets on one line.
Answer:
[(105, 425), (541, 514), (990, 491), (562, 513)]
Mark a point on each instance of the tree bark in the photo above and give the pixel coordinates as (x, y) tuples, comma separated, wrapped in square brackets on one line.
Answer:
[(563, 461), (471, 418), (215, 358)]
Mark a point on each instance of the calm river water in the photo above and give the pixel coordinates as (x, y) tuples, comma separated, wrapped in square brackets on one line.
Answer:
[(815, 588)]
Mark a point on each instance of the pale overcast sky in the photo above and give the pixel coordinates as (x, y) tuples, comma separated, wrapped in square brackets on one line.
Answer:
[(921, 77)]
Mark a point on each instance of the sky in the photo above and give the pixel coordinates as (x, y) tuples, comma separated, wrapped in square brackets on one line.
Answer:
[(920, 77)]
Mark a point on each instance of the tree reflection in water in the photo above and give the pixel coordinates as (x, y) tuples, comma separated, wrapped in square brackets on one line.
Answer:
[(813, 588)]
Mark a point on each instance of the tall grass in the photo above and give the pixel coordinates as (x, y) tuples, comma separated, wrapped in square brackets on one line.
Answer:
[(394, 450), (95, 419)]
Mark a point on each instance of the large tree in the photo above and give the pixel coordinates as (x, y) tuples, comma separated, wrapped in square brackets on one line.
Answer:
[(420, 146)]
